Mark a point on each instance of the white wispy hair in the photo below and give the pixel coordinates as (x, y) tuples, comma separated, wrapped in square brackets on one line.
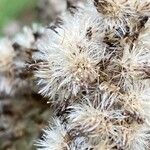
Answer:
[(70, 56), (110, 80), (102, 127), (134, 136), (142, 7), (116, 13), (54, 138), (135, 63), (7, 54), (139, 98), (80, 143), (139, 138), (94, 120), (57, 137), (122, 15), (144, 36), (140, 89)]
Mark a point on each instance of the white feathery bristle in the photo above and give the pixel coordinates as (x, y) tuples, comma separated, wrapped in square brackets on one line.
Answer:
[(139, 138), (93, 120), (123, 14), (80, 143), (140, 93), (144, 36), (97, 54), (142, 7), (54, 138), (115, 13), (135, 62)]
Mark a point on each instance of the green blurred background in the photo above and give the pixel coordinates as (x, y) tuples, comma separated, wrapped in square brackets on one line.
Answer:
[(15, 9)]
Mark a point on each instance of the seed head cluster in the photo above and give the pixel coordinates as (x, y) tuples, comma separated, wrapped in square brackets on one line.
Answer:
[(95, 66), (92, 63)]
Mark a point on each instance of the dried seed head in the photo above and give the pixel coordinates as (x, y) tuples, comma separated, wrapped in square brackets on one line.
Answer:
[(104, 53), (124, 15), (115, 13), (70, 58)]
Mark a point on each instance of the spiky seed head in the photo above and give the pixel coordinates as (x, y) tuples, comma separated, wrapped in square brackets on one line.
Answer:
[(70, 59)]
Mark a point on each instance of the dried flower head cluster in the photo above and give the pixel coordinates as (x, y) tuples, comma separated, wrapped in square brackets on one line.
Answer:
[(93, 64), (94, 67)]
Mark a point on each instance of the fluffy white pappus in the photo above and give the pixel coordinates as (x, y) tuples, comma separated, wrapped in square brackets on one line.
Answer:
[(37, 28), (135, 63), (28, 36), (105, 129), (103, 96), (138, 100), (142, 7), (140, 90), (144, 36), (115, 13), (122, 15), (7, 54), (57, 137), (139, 138), (88, 10), (70, 56), (93, 121), (131, 137), (80, 143), (54, 138), (80, 24), (132, 104)]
